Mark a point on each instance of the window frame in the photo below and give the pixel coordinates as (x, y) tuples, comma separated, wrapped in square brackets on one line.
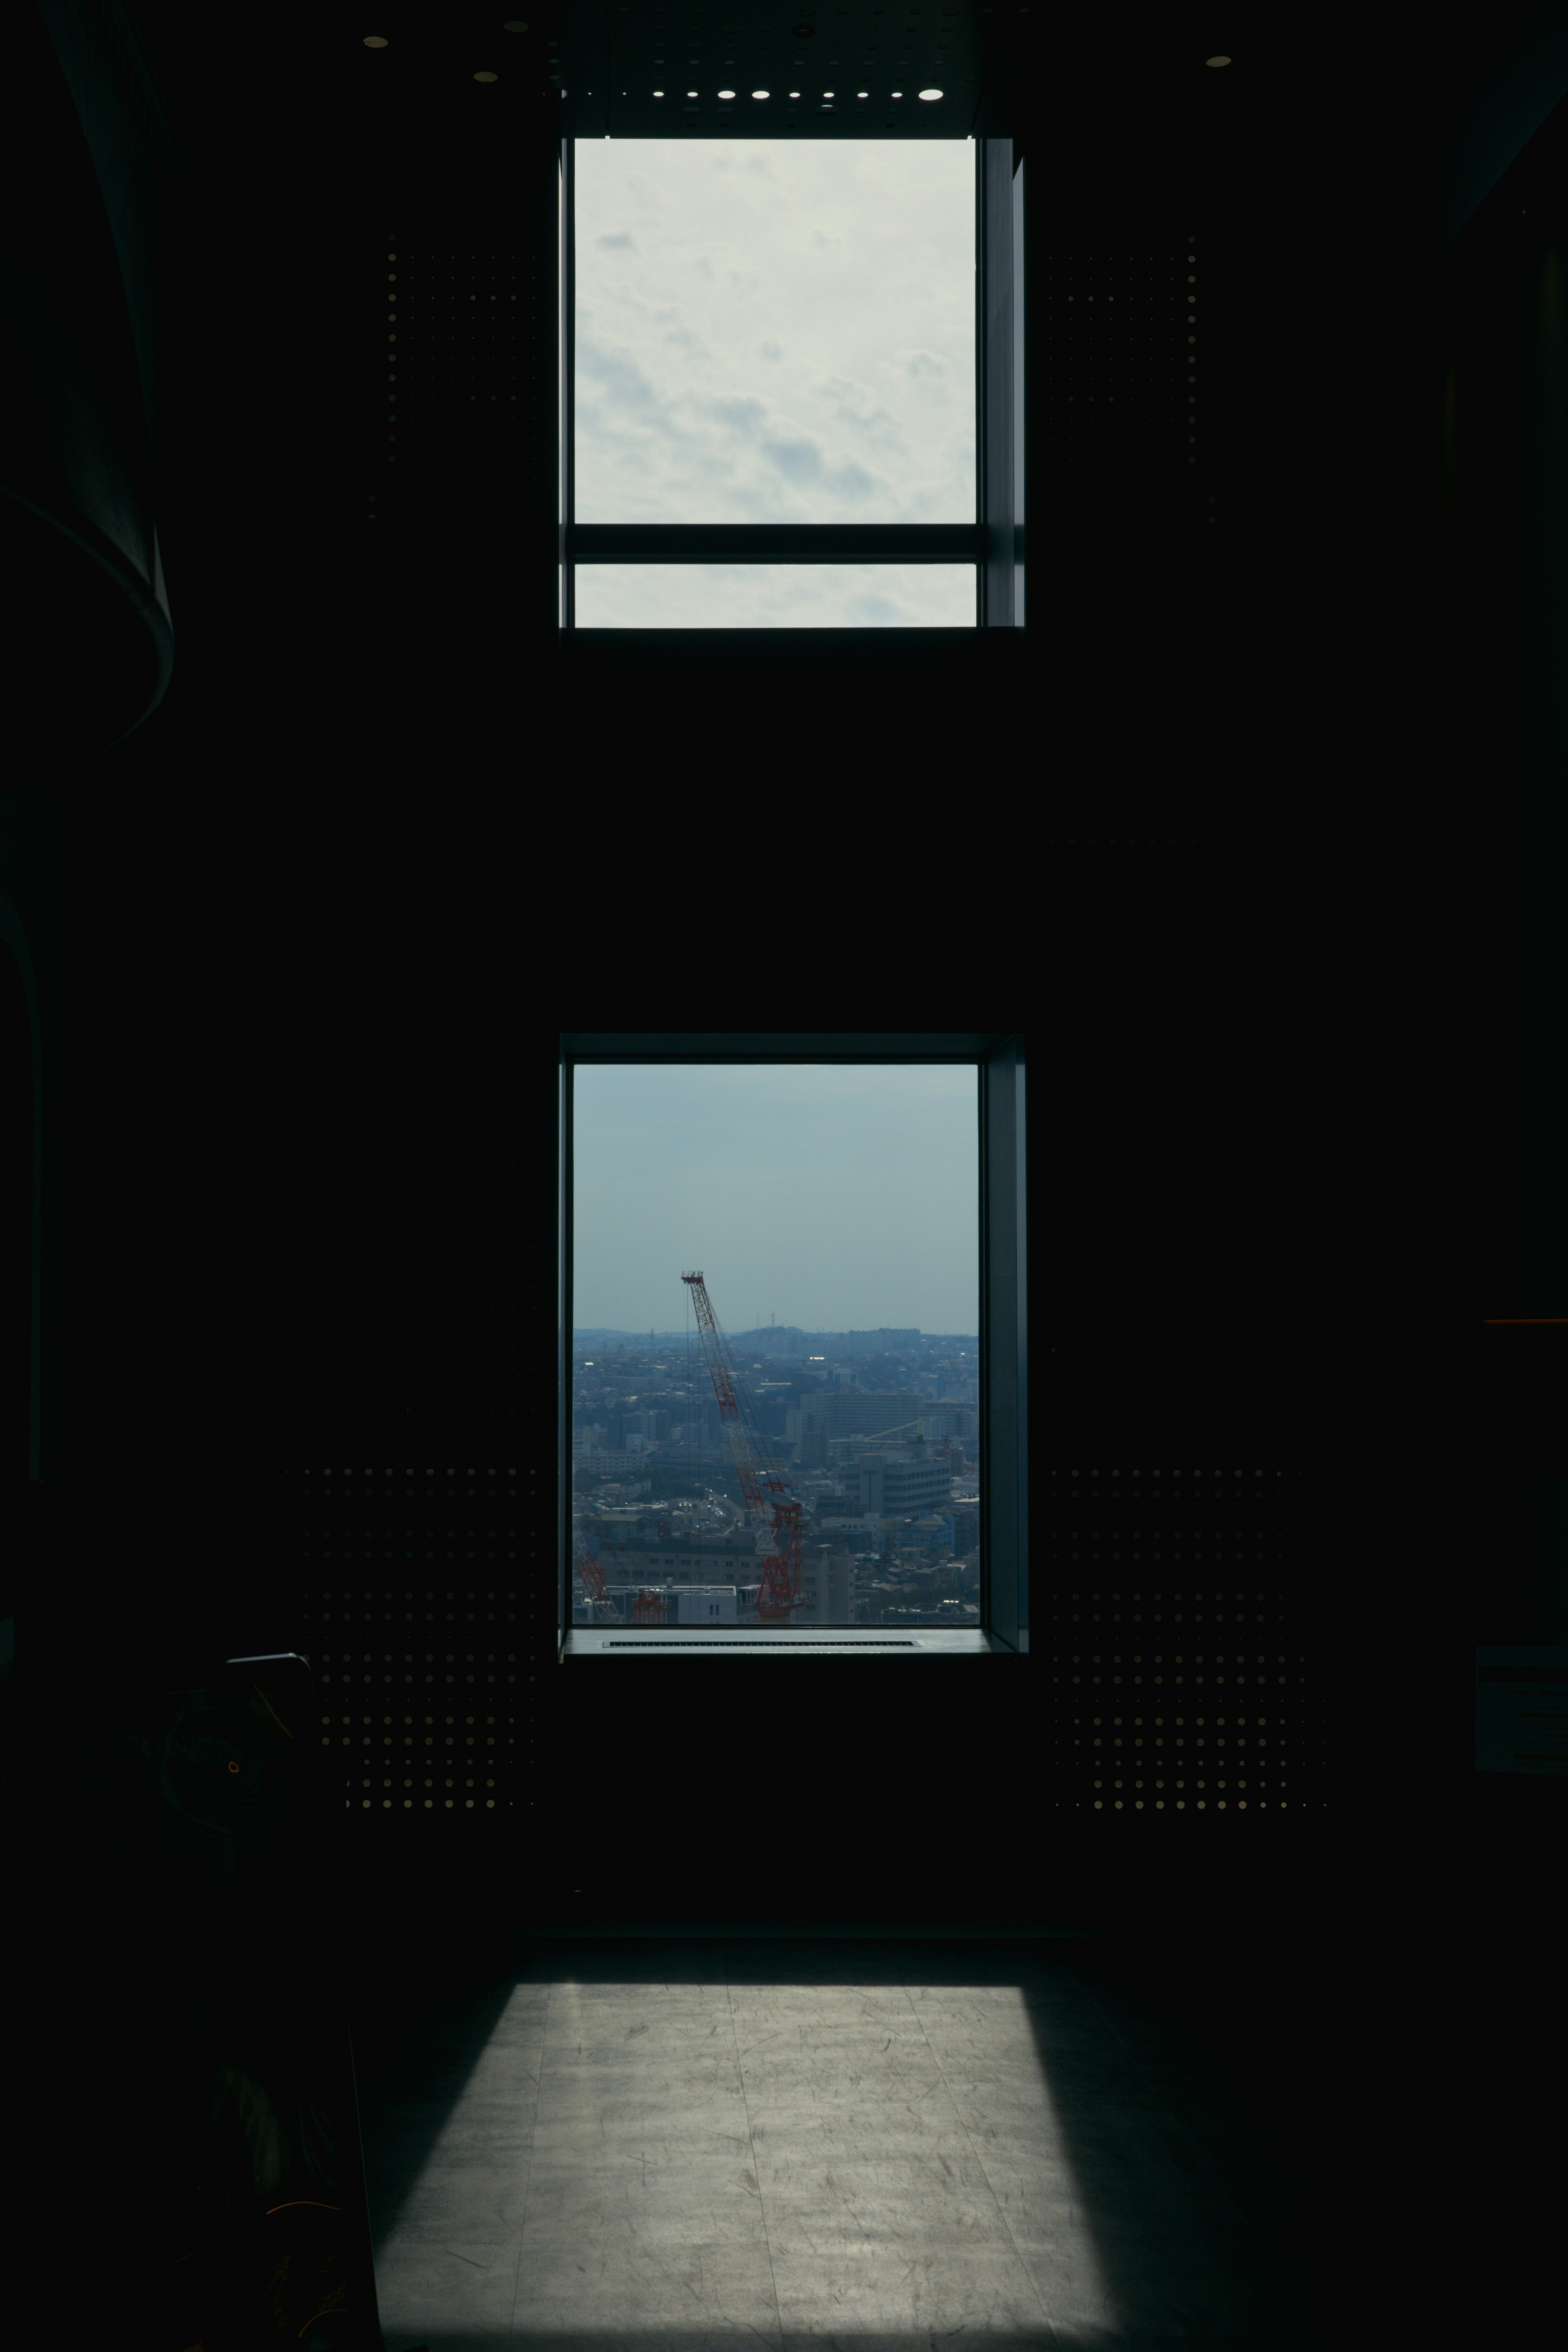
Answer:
[(1002, 1403), (993, 543)]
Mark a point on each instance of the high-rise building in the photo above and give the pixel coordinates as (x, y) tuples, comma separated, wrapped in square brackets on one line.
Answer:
[(869, 1414), (897, 1489), (827, 1588)]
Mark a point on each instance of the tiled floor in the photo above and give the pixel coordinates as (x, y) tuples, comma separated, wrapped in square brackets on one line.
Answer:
[(635, 2146)]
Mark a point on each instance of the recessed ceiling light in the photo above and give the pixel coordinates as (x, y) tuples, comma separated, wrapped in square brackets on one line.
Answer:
[(930, 93), (759, 93), (374, 41)]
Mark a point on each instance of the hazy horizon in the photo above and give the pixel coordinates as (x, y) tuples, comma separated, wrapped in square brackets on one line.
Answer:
[(754, 1331), (834, 1197)]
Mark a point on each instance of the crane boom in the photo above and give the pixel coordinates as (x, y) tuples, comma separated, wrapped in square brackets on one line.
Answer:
[(781, 1556)]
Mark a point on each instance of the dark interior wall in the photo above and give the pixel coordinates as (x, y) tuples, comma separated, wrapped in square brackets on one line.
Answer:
[(78, 493), (306, 937), (1257, 846), (1505, 368), (15, 1224)]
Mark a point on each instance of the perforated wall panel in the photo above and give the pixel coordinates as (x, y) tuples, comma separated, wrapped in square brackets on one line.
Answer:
[(1182, 1661), (420, 1631), (1132, 345), (450, 392)]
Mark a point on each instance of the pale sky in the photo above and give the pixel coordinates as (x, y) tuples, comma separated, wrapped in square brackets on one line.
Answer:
[(836, 1197), (769, 332)]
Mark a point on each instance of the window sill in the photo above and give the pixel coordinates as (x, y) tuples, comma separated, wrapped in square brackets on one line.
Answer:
[(795, 1642)]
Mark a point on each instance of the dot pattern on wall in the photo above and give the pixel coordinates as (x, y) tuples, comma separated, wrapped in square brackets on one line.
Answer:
[(1184, 1679), (450, 399), (1124, 341), (418, 1636)]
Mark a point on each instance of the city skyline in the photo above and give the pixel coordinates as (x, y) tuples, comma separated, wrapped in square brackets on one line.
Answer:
[(751, 1330), (816, 1193)]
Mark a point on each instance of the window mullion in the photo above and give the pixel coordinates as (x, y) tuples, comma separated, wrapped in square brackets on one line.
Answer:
[(569, 379), (994, 424), (979, 584), (775, 542)]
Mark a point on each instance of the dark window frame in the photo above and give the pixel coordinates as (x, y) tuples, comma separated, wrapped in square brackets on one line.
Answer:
[(993, 543), (1003, 1405)]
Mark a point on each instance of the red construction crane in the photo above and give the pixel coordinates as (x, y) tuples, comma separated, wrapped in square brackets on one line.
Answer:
[(648, 1608), (593, 1577), (779, 1557)]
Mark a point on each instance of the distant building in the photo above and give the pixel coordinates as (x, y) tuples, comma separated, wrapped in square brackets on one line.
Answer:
[(681, 1558), (897, 1489), (707, 1604), (855, 1530), (827, 1588), (850, 1412), (935, 1531), (684, 1605), (948, 1420)]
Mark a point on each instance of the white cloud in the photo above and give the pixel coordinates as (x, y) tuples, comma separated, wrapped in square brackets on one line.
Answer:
[(777, 334), (775, 596)]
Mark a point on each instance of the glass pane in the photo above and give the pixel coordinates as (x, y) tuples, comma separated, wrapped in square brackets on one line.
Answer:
[(774, 333), (776, 595), (788, 1431)]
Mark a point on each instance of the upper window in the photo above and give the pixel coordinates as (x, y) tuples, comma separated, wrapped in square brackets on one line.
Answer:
[(770, 355), (773, 334)]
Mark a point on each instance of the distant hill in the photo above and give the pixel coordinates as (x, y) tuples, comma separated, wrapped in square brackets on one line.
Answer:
[(597, 1334)]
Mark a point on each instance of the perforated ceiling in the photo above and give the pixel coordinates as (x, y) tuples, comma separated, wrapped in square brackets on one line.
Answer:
[(823, 71)]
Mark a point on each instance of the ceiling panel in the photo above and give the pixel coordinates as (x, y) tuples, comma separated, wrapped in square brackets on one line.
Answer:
[(829, 69)]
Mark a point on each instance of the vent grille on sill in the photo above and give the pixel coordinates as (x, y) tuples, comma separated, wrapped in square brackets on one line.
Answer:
[(706, 1645)]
